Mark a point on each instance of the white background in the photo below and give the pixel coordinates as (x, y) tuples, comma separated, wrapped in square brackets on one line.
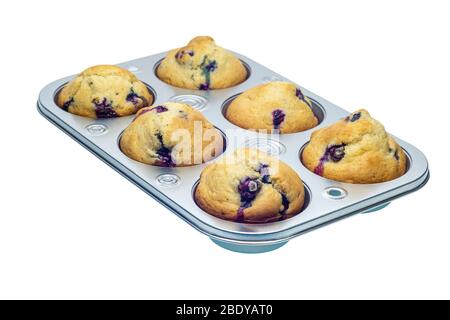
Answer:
[(71, 227)]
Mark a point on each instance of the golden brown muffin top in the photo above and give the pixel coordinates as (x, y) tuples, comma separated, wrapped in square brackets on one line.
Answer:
[(356, 149), (201, 65), (104, 91), (171, 134), (250, 186), (275, 105)]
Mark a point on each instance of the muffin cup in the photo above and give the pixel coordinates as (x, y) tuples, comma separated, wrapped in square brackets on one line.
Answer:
[(316, 108), (58, 91), (224, 148), (306, 201)]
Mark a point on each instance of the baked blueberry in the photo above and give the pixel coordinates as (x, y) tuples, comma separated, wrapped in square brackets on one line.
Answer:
[(248, 188), (333, 153), (210, 66), (263, 169), (132, 97), (299, 94), (277, 118), (240, 216), (67, 104), (320, 167), (302, 97), (204, 86), (104, 109), (207, 66), (165, 157), (354, 117), (285, 202), (160, 109), (336, 152), (181, 53)]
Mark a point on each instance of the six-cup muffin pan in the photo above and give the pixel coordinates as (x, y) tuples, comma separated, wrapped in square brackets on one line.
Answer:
[(326, 200)]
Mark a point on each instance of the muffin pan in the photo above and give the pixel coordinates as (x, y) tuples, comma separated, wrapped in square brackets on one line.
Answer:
[(326, 200)]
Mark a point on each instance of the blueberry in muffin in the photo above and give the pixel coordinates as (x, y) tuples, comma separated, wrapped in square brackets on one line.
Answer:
[(171, 134), (201, 65), (272, 106), (356, 149), (104, 92), (250, 186)]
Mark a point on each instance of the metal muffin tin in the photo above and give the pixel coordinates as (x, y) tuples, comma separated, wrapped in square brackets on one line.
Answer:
[(326, 200)]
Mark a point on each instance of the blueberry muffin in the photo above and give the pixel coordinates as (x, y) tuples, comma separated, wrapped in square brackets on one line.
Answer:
[(104, 92), (272, 106), (171, 134), (250, 186), (356, 149), (201, 65)]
